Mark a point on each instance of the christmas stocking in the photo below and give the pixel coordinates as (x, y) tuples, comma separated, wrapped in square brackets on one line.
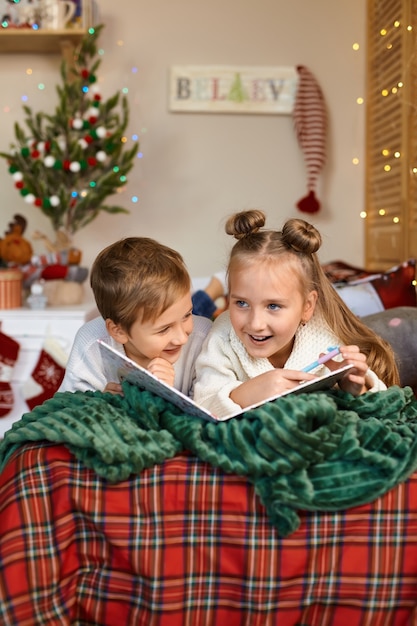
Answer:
[(9, 350), (47, 374)]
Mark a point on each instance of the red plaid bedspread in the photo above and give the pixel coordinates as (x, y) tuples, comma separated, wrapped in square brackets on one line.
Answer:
[(183, 544)]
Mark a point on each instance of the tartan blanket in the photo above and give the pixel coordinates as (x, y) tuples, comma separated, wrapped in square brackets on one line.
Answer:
[(323, 451)]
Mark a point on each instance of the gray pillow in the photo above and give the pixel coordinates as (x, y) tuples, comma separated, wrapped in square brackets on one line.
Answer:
[(398, 326)]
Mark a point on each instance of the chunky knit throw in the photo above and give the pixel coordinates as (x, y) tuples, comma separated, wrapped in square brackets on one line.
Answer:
[(318, 451)]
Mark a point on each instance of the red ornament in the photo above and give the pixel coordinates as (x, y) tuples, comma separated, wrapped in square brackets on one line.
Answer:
[(97, 97), (19, 184), (38, 202), (85, 73), (92, 120), (88, 139), (66, 165), (35, 154), (92, 161)]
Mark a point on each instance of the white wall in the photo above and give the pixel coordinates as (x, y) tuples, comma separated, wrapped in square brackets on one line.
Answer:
[(198, 168)]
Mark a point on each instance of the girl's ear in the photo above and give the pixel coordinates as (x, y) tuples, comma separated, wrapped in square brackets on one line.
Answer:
[(116, 332), (309, 306)]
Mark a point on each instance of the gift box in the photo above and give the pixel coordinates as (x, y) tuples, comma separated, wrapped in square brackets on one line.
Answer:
[(10, 288)]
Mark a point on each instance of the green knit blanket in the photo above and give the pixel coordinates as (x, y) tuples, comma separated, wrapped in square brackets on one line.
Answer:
[(323, 451)]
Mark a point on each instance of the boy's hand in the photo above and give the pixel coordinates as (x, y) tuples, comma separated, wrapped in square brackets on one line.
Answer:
[(114, 388), (354, 381), (163, 370)]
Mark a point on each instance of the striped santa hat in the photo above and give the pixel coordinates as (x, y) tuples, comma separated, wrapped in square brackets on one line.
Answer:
[(310, 122)]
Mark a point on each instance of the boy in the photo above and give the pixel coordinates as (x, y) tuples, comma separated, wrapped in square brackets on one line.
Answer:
[(143, 292)]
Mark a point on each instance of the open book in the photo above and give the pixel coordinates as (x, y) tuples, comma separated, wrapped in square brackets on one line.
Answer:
[(137, 375)]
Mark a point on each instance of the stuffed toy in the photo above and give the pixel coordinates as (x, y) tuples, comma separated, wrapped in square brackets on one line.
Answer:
[(14, 248)]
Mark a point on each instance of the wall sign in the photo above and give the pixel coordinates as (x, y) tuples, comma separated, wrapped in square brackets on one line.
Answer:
[(232, 89)]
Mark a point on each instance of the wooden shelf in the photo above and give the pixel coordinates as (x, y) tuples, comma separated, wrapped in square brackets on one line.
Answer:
[(39, 41)]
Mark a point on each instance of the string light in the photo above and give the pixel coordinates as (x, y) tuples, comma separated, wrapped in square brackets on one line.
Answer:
[(386, 93)]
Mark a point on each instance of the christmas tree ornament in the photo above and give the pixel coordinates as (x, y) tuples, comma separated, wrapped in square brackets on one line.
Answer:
[(9, 351), (310, 122), (49, 161), (77, 123)]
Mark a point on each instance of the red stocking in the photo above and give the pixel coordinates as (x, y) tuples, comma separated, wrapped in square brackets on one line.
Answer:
[(47, 374), (9, 350)]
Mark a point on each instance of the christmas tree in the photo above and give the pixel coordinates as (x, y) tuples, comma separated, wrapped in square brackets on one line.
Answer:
[(68, 163), (237, 92)]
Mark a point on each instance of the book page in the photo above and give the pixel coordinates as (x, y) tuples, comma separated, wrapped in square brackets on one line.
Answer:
[(137, 375)]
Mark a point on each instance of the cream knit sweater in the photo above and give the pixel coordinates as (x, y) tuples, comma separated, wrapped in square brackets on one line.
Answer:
[(224, 363)]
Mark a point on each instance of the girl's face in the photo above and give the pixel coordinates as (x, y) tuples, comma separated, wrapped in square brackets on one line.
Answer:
[(266, 308)]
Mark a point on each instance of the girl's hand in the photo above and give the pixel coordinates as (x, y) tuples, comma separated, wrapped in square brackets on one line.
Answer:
[(163, 370), (114, 388), (354, 381), (268, 385)]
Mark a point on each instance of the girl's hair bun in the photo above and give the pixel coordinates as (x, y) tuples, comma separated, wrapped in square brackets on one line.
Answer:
[(245, 223)]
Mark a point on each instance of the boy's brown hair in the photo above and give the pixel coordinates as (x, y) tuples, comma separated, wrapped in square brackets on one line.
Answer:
[(137, 276)]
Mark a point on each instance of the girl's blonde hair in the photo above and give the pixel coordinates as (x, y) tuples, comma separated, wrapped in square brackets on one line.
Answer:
[(297, 245), (137, 277)]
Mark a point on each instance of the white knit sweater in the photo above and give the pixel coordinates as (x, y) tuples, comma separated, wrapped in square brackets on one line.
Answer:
[(86, 371), (224, 362)]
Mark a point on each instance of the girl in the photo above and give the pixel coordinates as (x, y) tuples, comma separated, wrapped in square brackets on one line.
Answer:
[(283, 313)]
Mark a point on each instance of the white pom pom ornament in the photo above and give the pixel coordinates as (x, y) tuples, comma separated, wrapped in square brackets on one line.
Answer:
[(49, 161)]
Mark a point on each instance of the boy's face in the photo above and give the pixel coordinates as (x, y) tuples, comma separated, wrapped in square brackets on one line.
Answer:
[(162, 337)]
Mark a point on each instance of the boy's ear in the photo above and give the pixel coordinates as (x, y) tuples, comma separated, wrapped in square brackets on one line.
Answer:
[(116, 331)]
